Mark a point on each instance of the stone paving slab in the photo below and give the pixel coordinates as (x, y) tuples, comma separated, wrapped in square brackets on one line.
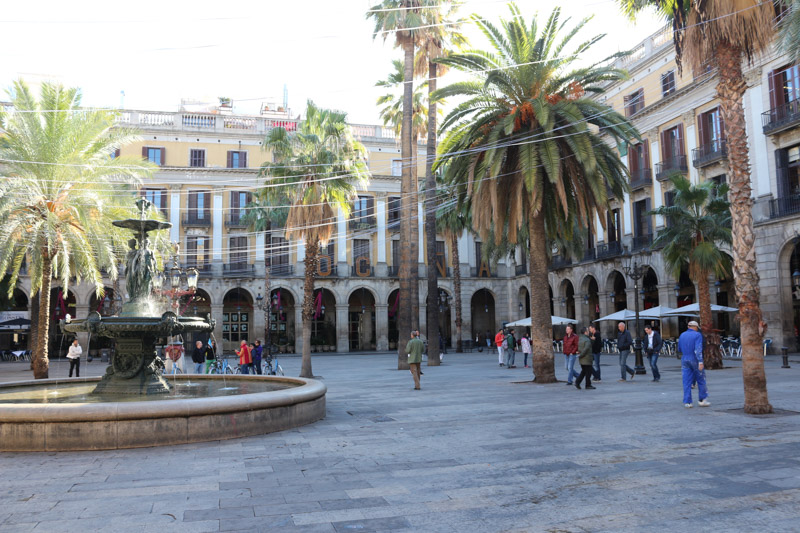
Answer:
[(477, 449)]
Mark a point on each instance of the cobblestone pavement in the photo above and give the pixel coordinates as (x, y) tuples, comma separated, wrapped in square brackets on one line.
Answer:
[(473, 451)]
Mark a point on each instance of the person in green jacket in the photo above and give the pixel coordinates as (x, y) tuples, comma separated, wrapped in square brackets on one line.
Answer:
[(414, 348), (585, 359)]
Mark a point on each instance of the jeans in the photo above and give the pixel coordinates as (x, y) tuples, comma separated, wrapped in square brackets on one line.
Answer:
[(623, 364), (198, 368), (257, 365), (526, 358), (500, 355), (596, 371), (511, 354), (76, 364), (586, 372), (570, 364), (246, 368), (653, 358), (691, 373)]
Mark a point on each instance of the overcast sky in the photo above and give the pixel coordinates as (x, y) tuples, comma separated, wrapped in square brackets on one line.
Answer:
[(158, 52)]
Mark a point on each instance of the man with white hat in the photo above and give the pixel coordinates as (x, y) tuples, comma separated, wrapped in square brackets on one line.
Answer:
[(690, 344)]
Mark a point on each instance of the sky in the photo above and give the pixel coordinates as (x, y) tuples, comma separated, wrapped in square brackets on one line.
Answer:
[(158, 52)]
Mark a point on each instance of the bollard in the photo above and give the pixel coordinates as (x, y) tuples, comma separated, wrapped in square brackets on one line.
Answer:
[(785, 355)]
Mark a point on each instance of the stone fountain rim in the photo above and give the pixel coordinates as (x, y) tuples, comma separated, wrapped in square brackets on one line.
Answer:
[(308, 390)]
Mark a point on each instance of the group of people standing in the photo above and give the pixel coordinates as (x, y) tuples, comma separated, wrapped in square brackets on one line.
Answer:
[(249, 357), (508, 346)]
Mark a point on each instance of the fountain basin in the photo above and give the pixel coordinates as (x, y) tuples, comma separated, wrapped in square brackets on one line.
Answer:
[(164, 421)]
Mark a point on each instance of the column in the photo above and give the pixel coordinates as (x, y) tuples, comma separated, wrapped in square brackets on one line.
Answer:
[(421, 225), (341, 242), (626, 207), (175, 215), (464, 255), (298, 328), (757, 140), (300, 265), (382, 325), (216, 314), (691, 139), (260, 245), (342, 323), (217, 220), (655, 159), (666, 296), (258, 324), (380, 213)]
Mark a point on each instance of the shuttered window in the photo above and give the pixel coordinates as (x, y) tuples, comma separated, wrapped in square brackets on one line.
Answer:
[(156, 156), (237, 159), (238, 251), (199, 205), (157, 197), (197, 158)]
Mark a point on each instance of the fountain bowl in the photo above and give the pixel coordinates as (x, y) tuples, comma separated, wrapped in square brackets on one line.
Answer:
[(160, 420)]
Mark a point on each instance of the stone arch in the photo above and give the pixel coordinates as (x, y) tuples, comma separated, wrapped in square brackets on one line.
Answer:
[(237, 318), (361, 331), (372, 291), (590, 296), (567, 296), (482, 307)]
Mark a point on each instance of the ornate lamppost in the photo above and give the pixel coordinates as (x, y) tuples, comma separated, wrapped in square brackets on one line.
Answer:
[(176, 277), (636, 271)]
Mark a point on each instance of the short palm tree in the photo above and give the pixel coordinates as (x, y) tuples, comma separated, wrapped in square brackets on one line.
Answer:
[(699, 223), (318, 168), (525, 141), (62, 193), (402, 18), (722, 33)]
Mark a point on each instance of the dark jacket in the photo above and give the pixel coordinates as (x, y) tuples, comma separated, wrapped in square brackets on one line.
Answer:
[(597, 343), (198, 355), (258, 350), (657, 343), (624, 340), (585, 350)]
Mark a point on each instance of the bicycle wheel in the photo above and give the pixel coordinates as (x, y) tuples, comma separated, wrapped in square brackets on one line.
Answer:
[(278, 370), (229, 370)]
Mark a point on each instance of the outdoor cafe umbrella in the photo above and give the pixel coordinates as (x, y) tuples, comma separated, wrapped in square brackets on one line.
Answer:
[(620, 316), (15, 324), (694, 309), (662, 311), (555, 320)]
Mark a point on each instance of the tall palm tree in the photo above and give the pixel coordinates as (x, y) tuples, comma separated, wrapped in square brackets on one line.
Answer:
[(526, 141), (699, 223), (789, 28), (441, 31), (319, 168), (402, 18), (723, 33), (62, 194)]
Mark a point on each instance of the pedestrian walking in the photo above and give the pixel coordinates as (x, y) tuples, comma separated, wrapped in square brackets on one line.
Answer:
[(525, 344), (488, 338), (414, 348), (500, 341), (74, 356), (624, 343), (653, 350), (258, 351), (597, 350), (511, 349), (585, 360), (570, 353), (210, 353), (198, 357), (690, 344), (245, 357)]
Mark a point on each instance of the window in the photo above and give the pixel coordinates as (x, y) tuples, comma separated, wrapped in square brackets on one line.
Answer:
[(394, 212), (639, 161), (614, 223), (237, 159), (199, 205), (441, 259), (156, 156), (784, 86), (642, 223), (478, 255), (326, 259), (361, 248), (672, 143), (197, 158), (669, 201), (279, 252), (197, 252), (157, 197), (396, 256), (668, 83), (239, 200), (363, 214), (634, 103), (238, 253), (397, 167), (711, 128)]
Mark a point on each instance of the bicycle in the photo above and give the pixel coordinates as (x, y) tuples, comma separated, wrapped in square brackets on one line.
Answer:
[(266, 367), (220, 367)]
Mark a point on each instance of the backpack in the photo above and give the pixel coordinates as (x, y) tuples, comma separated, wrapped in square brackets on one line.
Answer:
[(505, 344)]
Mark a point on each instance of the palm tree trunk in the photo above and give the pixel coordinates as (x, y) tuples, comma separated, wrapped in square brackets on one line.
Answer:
[(432, 309), (41, 363), (712, 357), (731, 89), (33, 340), (267, 302), (404, 307), (310, 262), (457, 289), (414, 235), (541, 323)]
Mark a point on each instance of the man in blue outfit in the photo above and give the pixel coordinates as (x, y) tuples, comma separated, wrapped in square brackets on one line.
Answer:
[(690, 344)]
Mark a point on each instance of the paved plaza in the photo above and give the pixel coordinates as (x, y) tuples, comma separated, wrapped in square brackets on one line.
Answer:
[(474, 451)]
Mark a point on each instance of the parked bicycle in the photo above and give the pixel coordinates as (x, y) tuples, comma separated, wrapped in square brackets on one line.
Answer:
[(220, 366), (267, 367)]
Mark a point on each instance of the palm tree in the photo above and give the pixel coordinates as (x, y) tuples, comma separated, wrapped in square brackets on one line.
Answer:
[(719, 33), (61, 196), (441, 30), (318, 168), (525, 141), (402, 17), (699, 222), (789, 28)]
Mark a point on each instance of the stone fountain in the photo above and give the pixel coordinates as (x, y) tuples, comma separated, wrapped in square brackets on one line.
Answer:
[(132, 405), (136, 368)]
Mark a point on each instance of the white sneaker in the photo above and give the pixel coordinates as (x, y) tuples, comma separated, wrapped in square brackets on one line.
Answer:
[(704, 403), (688, 405)]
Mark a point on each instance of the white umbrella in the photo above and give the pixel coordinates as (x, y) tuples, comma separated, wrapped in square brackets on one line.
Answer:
[(662, 311), (625, 314), (555, 320), (694, 310)]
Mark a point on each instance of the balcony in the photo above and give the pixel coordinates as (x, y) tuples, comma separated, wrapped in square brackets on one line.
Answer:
[(239, 270), (192, 220), (672, 165), (475, 271), (589, 255), (394, 224), (520, 270), (785, 206), (710, 153), (204, 268), (608, 250), (641, 242), (357, 272), (282, 269), (362, 223), (641, 178), (235, 220), (559, 261), (186, 121), (781, 118), (393, 271)]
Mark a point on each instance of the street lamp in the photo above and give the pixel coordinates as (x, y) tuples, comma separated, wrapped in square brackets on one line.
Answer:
[(636, 271), (585, 299), (175, 276), (677, 289), (611, 296), (796, 278)]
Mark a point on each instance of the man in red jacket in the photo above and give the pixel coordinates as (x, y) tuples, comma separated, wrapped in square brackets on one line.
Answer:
[(498, 341), (570, 353)]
